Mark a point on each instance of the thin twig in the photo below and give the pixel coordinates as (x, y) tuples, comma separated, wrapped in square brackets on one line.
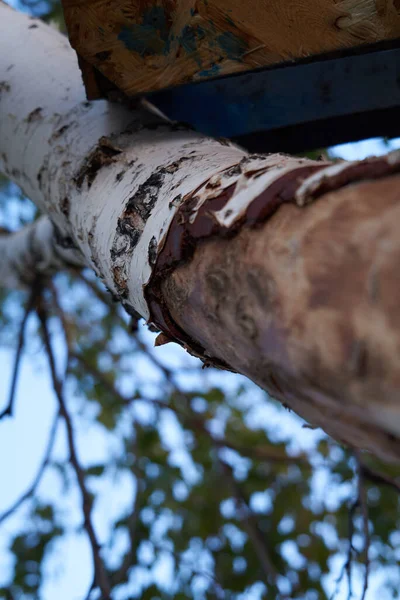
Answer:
[(378, 477), (197, 423), (99, 568), (261, 453), (91, 588), (58, 309), (363, 503), (364, 472), (32, 488), (9, 594), (251, 526), (189, 420), (349, 560), (7, 412), (122, 573)]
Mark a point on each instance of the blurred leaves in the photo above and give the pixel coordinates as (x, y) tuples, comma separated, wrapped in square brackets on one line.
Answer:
[(214, 489), (30, 547)]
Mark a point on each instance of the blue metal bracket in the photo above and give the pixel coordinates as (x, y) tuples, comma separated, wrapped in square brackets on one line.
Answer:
[(297, 106)]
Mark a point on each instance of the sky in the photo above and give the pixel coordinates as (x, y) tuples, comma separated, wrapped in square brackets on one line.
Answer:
[(23, 440)]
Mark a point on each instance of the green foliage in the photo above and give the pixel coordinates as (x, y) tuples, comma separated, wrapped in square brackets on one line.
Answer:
[(219, 491), (30, 547)]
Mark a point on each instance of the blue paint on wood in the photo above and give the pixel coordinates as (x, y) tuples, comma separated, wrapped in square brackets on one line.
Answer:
[(231, 45), (213, 71), (189, 40), (150, 37)]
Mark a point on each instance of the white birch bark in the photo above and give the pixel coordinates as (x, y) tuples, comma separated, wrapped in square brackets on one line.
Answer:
[(82, 162), (110, 179), (32, 252)]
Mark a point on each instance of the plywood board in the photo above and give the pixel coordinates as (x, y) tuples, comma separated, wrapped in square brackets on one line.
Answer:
[(146, 45)]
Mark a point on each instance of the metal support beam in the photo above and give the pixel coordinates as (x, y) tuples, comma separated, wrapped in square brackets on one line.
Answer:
[(298, 106)]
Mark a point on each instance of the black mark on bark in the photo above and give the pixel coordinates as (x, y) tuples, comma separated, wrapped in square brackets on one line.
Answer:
[(235, 170), (59, 132), (104, 154), (4, 87), (152, 251), (34, 115), (65, 206), (65, 241), (176, 201), (40, 176), (143, 201), (132, 221)]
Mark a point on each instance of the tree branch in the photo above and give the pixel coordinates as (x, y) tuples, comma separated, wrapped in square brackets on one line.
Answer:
[(247, 247), (45, 461), (378, 477), (122, 573), (7, 412), (349, 559), (363, 504), (251, 526), (191, 421), (58, 309), (360, 502), (101, 576)]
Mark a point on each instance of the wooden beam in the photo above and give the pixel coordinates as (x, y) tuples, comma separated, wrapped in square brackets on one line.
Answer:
[(146, 45)]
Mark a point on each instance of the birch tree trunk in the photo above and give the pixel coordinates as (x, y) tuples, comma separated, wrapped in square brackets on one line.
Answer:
[(281, 268)]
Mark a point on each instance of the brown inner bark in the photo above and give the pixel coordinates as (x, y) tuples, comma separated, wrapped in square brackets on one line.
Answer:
[(306, 306)]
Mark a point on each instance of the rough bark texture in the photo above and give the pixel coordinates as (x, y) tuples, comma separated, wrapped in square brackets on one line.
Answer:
[(306, 305), (284, 269), (71, 157)]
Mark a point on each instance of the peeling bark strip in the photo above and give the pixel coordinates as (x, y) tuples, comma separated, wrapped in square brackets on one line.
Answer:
[(227, 253), (246, 195), (167, 170), (306, 305)]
